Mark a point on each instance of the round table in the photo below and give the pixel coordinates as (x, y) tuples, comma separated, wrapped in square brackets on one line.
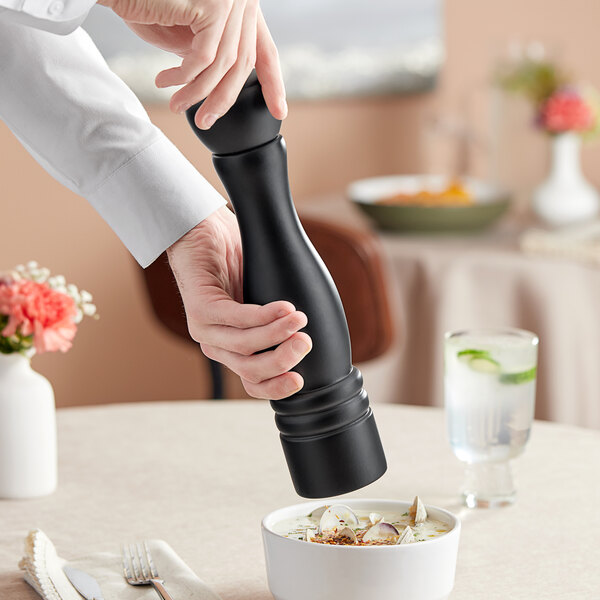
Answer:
[(446, 282), (201, 475)]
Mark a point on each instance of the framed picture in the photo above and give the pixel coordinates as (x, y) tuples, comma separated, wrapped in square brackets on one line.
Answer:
[(328, 48)]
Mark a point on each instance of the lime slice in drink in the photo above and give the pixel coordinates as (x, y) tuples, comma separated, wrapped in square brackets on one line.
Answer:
[(467, 355), (484, 364), (520, 377), (479, 360)]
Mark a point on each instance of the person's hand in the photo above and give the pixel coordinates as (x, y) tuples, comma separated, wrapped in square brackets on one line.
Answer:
[(207, 264), (220, 41)]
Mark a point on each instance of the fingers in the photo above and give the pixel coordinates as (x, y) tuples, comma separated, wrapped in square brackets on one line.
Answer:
[(268, 70), (222, 54), (260, 368), (254, 339), (226, 57), (222, 98), (277, 388), (233, 314), (236, 331), (201, 52)]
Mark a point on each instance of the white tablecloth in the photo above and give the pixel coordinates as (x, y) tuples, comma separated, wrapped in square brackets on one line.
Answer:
[(201, 475), (447, 282)]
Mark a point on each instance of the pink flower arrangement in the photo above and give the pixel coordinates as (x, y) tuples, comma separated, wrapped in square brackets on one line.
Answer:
[(39, 313), (566, 110), (560, 104)]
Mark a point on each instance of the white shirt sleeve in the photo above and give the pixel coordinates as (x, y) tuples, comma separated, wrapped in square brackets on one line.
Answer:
[(89, 131), (57, 16)]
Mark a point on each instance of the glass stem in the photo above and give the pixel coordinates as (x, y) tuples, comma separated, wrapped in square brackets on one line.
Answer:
[(488, 485)]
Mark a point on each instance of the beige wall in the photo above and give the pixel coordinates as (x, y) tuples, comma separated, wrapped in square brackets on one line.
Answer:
[(125, 355)]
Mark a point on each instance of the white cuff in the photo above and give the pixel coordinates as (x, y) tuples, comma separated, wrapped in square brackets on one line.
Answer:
[(154, 199), (55, 16)]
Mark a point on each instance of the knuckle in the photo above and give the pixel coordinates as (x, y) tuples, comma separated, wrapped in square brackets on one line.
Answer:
[(252, 390), (282, 363), (248, 61), (195, 332), (207, 351), (228, 60), (250, 375), (207, 56), (242, 347), (214, 7), (218, 319), (271, 52)]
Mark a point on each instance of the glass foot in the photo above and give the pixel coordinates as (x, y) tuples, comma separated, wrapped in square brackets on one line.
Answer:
[(488, 485), (471, 500)]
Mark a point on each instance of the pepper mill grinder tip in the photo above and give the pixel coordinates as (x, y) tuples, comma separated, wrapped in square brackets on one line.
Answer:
[(327, 430)]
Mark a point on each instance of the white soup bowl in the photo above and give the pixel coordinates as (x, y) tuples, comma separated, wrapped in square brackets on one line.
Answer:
[(299, 570)]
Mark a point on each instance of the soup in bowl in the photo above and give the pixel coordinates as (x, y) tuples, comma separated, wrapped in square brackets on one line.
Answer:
[(359, 549)]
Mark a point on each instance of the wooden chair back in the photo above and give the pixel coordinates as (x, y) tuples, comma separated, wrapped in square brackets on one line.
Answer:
[(355, 260)]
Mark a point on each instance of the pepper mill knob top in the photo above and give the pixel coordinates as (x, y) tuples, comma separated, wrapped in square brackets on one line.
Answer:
[(246, 125)]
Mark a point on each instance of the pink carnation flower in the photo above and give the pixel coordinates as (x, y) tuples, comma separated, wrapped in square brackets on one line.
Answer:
[(564, 111), (34, 308)]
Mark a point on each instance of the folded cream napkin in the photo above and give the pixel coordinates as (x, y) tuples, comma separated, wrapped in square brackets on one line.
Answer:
[(44, 572), (577, 242)]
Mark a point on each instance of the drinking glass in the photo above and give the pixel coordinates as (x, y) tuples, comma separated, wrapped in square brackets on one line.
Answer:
[(489, 383)]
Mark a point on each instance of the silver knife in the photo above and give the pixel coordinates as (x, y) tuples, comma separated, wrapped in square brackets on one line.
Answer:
[(85, 584)]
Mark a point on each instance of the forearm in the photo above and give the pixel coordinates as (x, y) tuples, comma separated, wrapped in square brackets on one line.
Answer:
[(87, 129)]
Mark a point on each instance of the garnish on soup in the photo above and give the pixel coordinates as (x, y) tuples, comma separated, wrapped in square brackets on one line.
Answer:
[(339, 525)]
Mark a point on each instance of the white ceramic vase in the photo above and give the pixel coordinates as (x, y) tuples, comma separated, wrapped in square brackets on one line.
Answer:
[(565, 197), (27, 430)]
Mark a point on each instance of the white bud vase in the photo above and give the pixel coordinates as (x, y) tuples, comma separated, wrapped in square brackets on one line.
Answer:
[(27, 430), (565, 197)]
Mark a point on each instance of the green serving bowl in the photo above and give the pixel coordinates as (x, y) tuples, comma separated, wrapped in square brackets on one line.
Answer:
[(490, 202)]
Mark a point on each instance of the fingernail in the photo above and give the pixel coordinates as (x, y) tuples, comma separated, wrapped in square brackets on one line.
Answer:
[(293, 387), (284, 108), (300, 347), (283, 313), (182, 108), (209, 120)]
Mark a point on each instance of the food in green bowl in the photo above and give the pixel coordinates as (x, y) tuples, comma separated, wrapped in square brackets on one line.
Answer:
[(429, 203)]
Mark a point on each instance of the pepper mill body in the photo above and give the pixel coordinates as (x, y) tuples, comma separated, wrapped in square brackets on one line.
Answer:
[(327, 430)]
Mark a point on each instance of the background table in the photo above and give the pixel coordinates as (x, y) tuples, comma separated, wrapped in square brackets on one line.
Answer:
[(447, 282), (201, 475)]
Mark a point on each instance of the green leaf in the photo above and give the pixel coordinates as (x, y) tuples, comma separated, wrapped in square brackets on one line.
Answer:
[(14, 343), (536, 80)]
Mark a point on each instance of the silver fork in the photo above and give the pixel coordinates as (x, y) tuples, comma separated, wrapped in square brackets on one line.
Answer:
[(139, 569)]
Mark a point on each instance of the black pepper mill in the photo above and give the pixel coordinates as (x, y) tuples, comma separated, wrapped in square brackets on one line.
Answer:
[(328, 431)]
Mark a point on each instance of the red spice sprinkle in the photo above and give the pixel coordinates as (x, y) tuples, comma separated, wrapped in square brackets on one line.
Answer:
[(333, 539)]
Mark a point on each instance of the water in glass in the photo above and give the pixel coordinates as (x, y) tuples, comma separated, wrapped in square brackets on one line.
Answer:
[(490, 381)]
